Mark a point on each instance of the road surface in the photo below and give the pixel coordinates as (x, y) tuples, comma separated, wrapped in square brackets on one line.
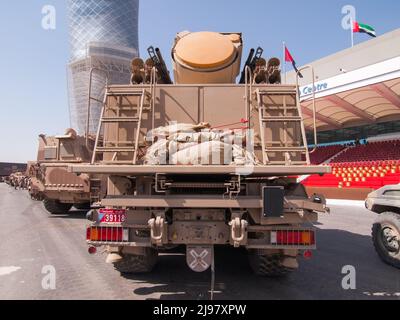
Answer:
[(34, 243)]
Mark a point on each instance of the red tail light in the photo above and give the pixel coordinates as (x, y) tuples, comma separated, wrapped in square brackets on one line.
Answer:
[(92, 250), (107, 234), (293, 237)]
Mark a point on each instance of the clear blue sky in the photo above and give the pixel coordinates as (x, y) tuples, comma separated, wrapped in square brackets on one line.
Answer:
[(33, 61)]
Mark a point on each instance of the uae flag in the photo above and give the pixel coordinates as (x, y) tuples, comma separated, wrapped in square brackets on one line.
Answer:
[(289, 58), (364, 28)]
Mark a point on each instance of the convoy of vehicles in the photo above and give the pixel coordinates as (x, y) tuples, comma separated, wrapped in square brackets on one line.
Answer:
[(199, 161)]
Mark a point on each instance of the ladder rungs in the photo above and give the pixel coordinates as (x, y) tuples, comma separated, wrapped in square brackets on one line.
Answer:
[(280, 93), (95, 99), (119, 119), (278, 107), (129, 94), (280, 119), (115, 149)]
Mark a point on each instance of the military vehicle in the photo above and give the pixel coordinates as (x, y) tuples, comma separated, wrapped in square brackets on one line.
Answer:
[(35, 187), (386, 229), (50, 180), (17, 180), (240, 189)]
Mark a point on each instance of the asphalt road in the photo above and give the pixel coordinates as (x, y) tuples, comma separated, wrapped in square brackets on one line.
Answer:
[(31, 240)]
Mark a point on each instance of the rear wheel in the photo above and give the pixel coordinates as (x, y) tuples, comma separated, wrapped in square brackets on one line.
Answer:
[(386, 237), (133, 263), (56, 207), (269, 265)]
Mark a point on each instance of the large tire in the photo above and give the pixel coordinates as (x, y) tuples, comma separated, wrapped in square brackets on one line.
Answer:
[(132, 263), (386, 238), (268, 265), (56, 207)]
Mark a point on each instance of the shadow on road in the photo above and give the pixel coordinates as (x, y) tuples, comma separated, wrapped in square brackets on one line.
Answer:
[(318, 278), (72, 214)]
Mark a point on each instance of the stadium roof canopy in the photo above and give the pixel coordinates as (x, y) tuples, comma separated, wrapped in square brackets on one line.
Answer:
[(354, 87)]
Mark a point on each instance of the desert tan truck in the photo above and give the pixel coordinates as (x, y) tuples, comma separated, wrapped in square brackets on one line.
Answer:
[(50, 180), (204, 161)]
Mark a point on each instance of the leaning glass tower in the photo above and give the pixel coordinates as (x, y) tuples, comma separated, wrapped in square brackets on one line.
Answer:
[(104, 37)]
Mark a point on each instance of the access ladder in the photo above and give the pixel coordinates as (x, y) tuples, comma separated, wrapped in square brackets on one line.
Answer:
[(282, 109)]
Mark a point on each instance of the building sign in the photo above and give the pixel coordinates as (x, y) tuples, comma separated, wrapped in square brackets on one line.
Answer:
[(365, 76), (308, 90)]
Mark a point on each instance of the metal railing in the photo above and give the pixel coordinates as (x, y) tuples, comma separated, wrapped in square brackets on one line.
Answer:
[(90, 98), (313, 102)]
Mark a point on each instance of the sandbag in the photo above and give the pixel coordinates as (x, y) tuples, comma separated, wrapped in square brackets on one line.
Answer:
[(157, 153), (207, 153), (189, 144), (243, 157), (207, 135), (174, 146), (164, 132)]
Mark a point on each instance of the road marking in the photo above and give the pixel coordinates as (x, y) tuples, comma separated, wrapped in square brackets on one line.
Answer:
[(4, 271), (382, 294), (339, 202)]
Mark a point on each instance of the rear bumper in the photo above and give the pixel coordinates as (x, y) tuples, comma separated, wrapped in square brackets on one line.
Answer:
[(177, 201), (273, 237), (205, 169)]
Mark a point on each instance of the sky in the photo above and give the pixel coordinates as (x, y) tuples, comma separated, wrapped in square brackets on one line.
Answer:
[(33, 84)]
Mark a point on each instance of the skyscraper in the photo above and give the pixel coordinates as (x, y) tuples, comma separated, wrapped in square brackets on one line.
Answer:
[(104, 36)]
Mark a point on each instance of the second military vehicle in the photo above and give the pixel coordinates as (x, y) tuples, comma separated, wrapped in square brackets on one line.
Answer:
[(386, 229), (204, 161), (51, 182)]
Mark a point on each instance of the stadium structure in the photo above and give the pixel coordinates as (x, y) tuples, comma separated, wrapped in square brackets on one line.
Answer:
[(104, 36), (358, 111)]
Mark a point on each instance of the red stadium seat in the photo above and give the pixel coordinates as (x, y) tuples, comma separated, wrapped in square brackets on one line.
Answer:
[(365, 166)]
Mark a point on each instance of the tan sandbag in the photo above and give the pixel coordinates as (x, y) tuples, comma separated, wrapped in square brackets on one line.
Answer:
[(205, 135), (164, 132), (243, 157), (157, 153), (207, 153), (198, 137), (174, 146)]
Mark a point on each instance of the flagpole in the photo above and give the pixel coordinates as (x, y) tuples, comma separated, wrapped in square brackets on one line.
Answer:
[(351, 31), (284, 60)]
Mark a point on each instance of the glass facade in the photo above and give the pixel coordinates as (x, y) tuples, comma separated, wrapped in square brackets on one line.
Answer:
[(103, 35), (114, 22)]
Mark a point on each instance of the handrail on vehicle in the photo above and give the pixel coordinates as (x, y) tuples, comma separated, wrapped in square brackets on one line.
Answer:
[(90, 98), (313, 102)]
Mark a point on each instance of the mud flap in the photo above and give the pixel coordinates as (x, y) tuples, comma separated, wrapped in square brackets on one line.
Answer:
[(273, 198)]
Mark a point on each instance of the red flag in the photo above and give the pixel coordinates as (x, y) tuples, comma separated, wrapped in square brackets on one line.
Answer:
[(288, 56)]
